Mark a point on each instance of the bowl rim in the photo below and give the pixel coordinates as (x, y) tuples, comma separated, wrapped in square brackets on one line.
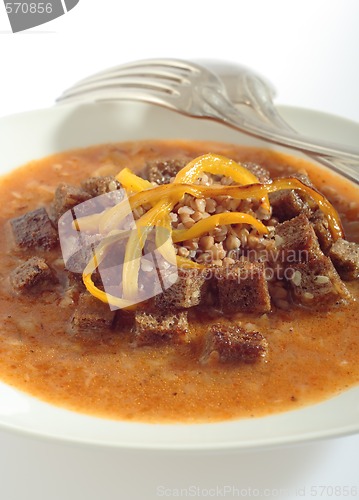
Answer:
[(234, 435)]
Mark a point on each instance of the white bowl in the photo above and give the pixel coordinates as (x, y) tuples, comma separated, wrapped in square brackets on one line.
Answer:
[(36, 134)]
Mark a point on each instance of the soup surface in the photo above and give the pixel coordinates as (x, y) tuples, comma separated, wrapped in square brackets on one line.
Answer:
[(312, 353)]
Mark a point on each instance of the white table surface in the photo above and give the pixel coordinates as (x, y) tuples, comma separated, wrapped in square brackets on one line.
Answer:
[(309, 50)]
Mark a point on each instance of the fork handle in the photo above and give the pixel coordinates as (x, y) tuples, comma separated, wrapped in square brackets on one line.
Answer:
[(262, 97), (221, 108)]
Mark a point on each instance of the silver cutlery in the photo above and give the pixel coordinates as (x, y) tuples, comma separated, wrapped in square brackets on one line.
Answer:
[(210, 91)]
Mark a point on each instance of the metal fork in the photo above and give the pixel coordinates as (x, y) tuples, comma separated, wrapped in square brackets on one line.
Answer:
[(247, 89), (196, 91)]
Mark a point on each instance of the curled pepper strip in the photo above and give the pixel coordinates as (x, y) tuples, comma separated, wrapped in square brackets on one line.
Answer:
[(170, 194), (163, 198), (164, 242), (174, 193), (214, 164), (334, 222), (205, 225), (184, 263), (134, 247), (95, 261), (111, 218), (132, 182), (217, 165), (89, 223), (132, 262)]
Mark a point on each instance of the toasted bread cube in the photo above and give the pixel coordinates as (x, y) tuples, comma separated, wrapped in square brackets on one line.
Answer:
[(316, 283), (189, 290), (242, 287), (260, 172), (233, 343), (345, 257), (311, 275), (152, 327), (288, 203), (321, 228), (31, 273), (92, 315), (96, 186), (67, 197), (34, 230), (297, 240), (162, 171)]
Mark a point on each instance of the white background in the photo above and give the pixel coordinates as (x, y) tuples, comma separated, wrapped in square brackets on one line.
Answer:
[(310, 51)]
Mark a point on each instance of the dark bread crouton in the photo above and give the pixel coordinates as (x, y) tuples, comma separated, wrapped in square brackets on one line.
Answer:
[(260, 172), (78, 250), (316, 283), (153, 327), (97, 186), (162, 171), (233, 343), (67, 197), (288, 203), (34, 230), (345, 257), (321, 228), (296, 240), (189, 290), (75, 285), (242, 287), (311, 275), (303, 178), (92, 315), (31, 273)]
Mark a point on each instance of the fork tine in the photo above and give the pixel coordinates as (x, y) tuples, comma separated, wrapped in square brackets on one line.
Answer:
[(159, 75), (122, 94), (167, 69), (170, 64), (110, 86), (150, 85), (178, 64)]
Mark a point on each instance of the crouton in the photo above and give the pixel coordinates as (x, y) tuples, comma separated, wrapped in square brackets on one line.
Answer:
[(154, 327), (34, 230), (233, 343), (288, 203), (242, 287), (316, 283), (67, 197), (311, 275), (91, 315), (260, 172), (297, 240), (321, 228), (97, 186), (162, 171), (31, 273), (189, 290), (345, 257)]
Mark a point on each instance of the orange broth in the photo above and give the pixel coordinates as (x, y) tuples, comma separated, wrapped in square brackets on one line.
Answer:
[(312, 355)]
